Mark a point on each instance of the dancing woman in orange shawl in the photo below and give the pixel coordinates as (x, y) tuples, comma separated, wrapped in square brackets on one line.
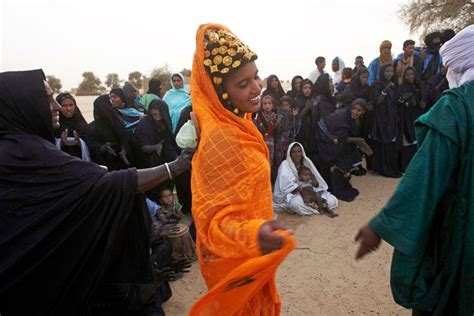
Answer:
[(239, 245)]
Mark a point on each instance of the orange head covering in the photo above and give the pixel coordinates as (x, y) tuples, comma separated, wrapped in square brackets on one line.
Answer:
[(385, 58), (231, 190)]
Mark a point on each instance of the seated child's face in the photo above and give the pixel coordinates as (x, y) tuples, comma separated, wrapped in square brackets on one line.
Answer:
[(305, 176), (166, 198), (285, 106)]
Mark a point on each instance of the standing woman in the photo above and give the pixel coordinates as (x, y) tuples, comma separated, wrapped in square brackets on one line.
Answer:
[(411, 105), (238, 243), (72, 128), (274, 89), (177, 99), (385, 131)]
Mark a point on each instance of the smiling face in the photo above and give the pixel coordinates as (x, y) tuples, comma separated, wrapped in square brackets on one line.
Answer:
[(357, 111), (244, 87), (68, 107), (53, 105)]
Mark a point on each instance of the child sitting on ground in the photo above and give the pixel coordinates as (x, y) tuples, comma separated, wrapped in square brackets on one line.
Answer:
[(310, 197), (170, 212)]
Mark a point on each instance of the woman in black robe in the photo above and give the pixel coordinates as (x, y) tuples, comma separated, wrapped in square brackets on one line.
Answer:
[(66, 226), (295, 87), (155, 140), (385, 129), (72, 127), (109, 142), (336, 150), (274, 89), (411, 104), (322, 96)]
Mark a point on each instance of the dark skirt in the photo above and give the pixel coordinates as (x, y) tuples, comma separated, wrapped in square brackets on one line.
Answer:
[(341, 187), (385, 159), (407, 154)]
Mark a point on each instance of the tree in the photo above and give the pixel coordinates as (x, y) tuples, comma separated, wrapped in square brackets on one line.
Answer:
[(164, 75), (90, 85), (186, 72), (112, 81), (427, 15), (136, 78), (54, 83)]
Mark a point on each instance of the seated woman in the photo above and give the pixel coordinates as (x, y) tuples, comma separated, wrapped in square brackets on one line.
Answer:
[(337, 153), (287, 191), (108, 138), (72, 128), (155, 140)]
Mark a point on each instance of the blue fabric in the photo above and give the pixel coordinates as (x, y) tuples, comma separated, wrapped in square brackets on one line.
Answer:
[(374, 69), (132, 113), (177, 100), (427, 60)]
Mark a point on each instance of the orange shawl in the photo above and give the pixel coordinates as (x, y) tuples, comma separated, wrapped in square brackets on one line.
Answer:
[(232, 198)]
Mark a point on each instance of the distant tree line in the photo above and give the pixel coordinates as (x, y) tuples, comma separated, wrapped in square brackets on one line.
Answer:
[(92, 85)]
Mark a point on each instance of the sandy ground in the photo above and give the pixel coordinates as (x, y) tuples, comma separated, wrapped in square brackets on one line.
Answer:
[(321, 277)]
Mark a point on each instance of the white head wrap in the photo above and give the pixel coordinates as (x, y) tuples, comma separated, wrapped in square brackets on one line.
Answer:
[(458, 56)]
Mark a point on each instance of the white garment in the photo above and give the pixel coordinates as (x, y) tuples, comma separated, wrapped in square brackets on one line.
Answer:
[(84, 149), (458, 55), (314, 75), (287, 181), (338, 74)]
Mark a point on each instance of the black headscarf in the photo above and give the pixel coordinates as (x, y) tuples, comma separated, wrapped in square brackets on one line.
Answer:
[(293, 93), (154, 86), (24, 104), (148, 132), (120, 93), (355, 89), (77, 122), (385, 116), (321, 88), (433, 66), (276, 94), (62, 220), (410, 96), (106, 116), (301, 99)]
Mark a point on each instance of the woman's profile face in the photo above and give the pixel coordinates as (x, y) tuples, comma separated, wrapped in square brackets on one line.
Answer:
[(244, 87), (296, 153), (53, 105), (177, 82), (116, 101), (68, 108)]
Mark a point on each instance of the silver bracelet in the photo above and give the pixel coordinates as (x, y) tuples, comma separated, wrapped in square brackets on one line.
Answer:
[(169, 171)]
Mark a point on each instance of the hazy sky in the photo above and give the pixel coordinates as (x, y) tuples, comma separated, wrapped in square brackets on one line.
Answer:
[(66, 38)]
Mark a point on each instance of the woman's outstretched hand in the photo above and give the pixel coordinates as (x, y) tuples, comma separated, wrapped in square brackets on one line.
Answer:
[(369, 241), (268, 240)]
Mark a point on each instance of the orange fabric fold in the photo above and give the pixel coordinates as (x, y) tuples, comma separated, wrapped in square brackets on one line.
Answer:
[(232, 198)]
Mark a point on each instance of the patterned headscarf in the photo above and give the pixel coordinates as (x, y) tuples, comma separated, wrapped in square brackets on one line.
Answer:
[(224, 53)]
